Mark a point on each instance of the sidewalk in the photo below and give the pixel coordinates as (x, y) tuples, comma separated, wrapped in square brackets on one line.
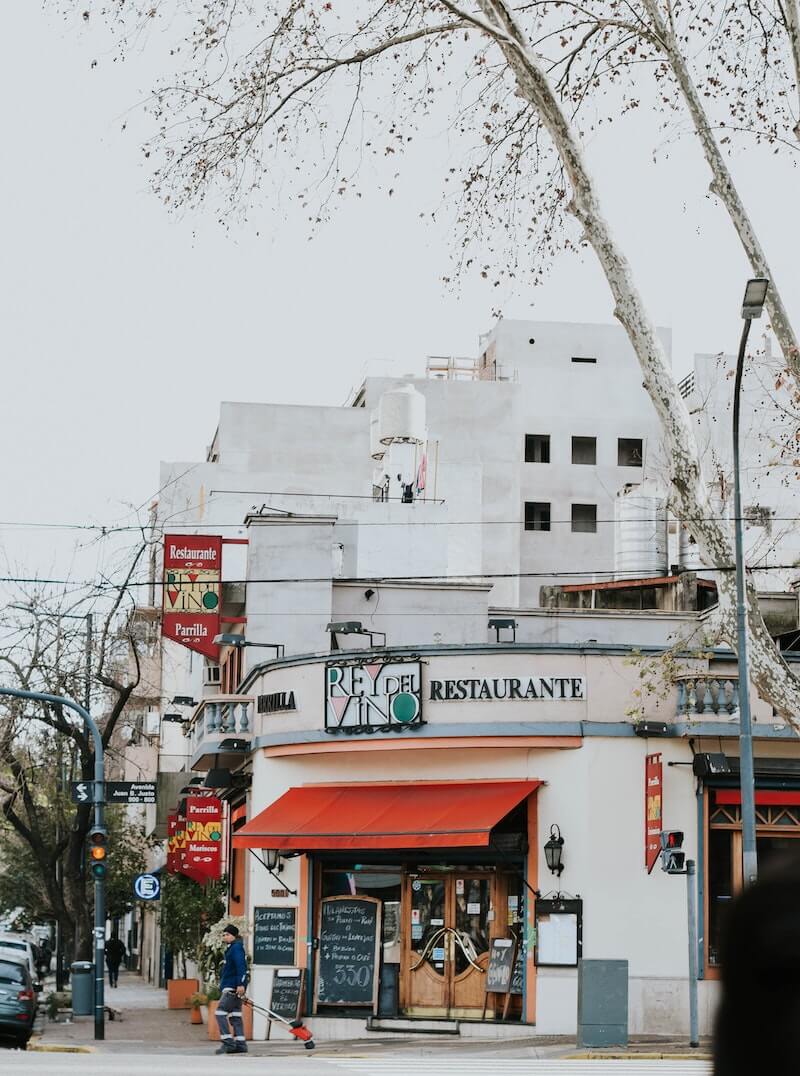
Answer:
[(145, 1026)]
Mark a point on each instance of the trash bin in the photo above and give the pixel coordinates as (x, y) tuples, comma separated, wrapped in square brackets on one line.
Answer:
[(82, 979)]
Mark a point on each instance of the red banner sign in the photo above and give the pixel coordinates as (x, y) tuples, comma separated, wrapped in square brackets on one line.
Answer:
[(653, 809), (192, 567), (203, 850)]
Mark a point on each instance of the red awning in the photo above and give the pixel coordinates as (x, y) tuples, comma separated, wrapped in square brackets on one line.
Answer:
[(453, 814), (765, 797)]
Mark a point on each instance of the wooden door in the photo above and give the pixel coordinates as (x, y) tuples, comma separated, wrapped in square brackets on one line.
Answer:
[(446, 934)]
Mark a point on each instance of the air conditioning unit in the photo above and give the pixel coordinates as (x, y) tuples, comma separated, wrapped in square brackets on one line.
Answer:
[(152, 720)]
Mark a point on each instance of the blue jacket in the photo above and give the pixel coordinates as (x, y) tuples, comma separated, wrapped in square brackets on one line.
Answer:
[(234, 970)]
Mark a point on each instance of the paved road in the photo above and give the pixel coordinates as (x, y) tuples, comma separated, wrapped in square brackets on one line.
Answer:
[(29, 1064)]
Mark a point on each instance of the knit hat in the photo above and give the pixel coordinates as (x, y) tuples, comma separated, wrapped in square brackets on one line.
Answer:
[(231, 929)]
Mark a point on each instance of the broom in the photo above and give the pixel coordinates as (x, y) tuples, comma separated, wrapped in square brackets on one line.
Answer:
[(296, 1028)]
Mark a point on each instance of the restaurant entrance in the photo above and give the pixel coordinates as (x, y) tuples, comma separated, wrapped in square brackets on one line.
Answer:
[(449, 921)]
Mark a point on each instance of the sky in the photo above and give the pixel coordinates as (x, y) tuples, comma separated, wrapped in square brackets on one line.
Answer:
[(123, 327)]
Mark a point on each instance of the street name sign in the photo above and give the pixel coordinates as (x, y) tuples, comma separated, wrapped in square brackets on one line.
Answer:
[(130, 792), (116, 792)]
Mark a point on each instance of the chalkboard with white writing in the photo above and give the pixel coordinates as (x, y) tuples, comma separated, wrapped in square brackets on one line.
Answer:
[(501, 966), (287, 991), (273, 935), (517, 976), (349, 951)]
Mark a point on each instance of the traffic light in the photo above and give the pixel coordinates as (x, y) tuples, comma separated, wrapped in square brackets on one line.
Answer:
[(673, 860), (98, 850)]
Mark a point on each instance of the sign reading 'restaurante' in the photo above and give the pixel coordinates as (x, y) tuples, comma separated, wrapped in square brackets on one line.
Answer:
[(530, 688), (192, 565)]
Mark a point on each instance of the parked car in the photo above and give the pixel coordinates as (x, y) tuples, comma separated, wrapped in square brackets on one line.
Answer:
[(20, 945), (17, 997)]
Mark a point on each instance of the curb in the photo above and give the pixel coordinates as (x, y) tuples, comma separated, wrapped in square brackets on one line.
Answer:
[(696, 1055), (55, 1048)]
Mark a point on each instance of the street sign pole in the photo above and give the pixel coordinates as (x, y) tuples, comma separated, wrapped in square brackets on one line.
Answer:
[(99, 883)]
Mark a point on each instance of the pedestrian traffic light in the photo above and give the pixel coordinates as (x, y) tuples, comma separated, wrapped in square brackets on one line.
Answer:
[(673, 860), (98, 850)]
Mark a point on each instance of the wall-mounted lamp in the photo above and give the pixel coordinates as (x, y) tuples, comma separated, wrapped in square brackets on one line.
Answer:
[(178, 719), (352, 627), (226, 638), (183, 700), (270, 859), (501, 622), (553, 850)]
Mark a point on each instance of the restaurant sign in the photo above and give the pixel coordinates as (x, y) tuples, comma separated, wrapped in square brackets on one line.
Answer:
[(520, 688), (378, 696), (653, 809), (192, 567)]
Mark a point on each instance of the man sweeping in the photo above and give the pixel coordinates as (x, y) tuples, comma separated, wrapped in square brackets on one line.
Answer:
[(232, 984)]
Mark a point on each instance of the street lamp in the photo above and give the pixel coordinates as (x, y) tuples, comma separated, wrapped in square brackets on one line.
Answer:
[(754, 295)]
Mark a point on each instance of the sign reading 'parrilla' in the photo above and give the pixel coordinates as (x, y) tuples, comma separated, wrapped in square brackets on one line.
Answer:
[(376, 696), (532, 688)]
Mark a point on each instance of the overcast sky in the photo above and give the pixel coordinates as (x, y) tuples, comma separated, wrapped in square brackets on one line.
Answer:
[(123, 327)]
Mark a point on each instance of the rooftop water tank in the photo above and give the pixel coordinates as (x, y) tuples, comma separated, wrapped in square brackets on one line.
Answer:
[(376, 449), (401, 416), (640, 531)]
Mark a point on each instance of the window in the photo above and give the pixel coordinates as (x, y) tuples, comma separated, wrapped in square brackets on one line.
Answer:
[(584, 518), (537, 447), (584, 450), (584, 358), (629, 452), (537, 515)]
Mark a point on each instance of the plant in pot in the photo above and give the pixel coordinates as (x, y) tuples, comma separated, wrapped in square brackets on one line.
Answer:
[(186, 910)]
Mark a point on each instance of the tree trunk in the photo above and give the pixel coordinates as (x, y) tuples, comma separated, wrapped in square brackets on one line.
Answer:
[(690, 496)]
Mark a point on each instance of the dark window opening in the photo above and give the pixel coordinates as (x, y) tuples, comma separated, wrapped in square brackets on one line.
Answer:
[(629, 452), (584, 518), (583, 358), (584, 450), (537, 516), (537, 447)]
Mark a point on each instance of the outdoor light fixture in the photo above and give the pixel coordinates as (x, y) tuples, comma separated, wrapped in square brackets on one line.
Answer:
[(500, 622), (755, 295), (179, 719), (352, 627), (233, 745), (227, 638), (272, 859), (553, 850), (196, 781), (218, 778), (183, 700)]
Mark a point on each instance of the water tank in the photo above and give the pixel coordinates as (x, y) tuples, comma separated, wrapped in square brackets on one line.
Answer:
[(688, 550), (640, 531), (401, 416), (376, 449)]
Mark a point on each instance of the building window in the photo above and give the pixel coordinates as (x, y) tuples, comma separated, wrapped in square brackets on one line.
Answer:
[(537, 515), (537, 447), (584, 358), (584, 450), (629, 452), (584, 518)]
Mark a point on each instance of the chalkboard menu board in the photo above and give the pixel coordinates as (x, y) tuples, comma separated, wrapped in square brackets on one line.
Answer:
[(499, 973), (287, 991), (349, 950), (517, 973), (273, 935)]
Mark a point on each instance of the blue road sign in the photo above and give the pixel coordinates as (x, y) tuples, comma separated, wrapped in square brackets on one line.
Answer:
[(147, 887)]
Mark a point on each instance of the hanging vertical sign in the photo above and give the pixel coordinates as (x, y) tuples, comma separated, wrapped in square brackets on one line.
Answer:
[(203, 850), (191, 603), (653, 809)]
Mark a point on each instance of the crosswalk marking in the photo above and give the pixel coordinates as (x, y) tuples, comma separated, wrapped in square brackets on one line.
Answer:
[(439, 1066)]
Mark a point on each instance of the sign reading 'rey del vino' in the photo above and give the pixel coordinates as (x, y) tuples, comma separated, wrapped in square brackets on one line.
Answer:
[(192, 566), (378, 696)]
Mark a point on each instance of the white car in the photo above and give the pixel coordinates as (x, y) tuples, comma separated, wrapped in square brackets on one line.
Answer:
[(20, 945)]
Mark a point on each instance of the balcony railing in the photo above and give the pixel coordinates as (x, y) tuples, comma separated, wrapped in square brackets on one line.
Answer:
[(716, 695), (221, 716)]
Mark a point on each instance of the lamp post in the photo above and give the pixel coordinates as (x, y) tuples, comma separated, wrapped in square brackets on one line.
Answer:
[(99, 880), (752, 306)]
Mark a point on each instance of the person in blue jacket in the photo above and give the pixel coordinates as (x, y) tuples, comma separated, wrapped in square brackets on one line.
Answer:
[(232, 984)]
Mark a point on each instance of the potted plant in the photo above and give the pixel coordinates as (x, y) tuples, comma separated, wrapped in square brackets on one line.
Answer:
[(198, 1001), (186, 909)]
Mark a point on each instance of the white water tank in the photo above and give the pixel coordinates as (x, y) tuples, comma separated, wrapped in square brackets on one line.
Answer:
[(401, 416), (376, 449), (640, 531)]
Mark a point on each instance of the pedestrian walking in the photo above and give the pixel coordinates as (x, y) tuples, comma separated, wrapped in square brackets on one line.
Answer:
[(232, 984), (758, 1019), (115, 954)]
